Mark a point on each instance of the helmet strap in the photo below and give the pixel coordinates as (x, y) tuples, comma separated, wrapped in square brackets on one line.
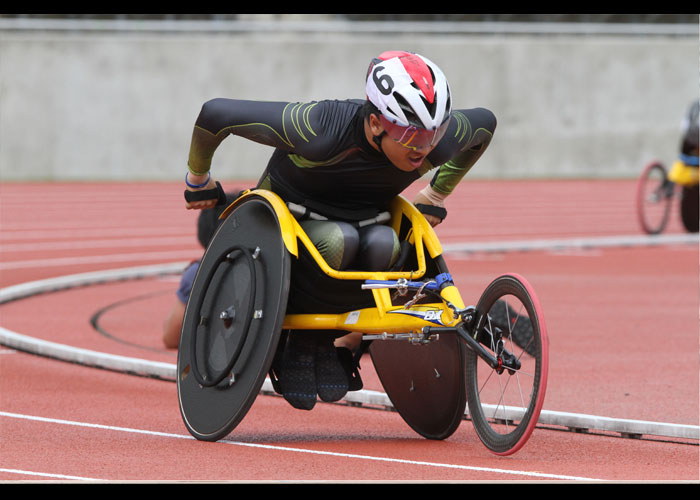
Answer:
[(378, 140)]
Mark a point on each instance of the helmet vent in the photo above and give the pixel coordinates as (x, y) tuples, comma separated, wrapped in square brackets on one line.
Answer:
[(408, 110)]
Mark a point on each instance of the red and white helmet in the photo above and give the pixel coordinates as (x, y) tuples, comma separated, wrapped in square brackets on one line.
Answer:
[(412, 95)]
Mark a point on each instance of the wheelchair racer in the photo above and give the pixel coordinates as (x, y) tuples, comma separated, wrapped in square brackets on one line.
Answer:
[(684, 170), (346, 160)]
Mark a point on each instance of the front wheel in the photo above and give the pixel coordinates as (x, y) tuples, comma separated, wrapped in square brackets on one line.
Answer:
[(505, 402), (654, 194)]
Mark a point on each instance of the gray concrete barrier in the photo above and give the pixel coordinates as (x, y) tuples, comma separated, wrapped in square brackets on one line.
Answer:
[(118, 101)]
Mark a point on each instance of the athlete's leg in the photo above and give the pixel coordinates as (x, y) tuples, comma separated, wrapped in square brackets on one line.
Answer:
[(337, 242), (379, 248), (310, 364)]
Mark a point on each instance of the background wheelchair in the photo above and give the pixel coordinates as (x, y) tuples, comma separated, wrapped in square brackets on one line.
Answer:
[(261, 277), (657, 187)]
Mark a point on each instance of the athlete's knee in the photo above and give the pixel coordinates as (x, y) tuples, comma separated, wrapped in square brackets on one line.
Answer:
[(337, 242), (379, 248)]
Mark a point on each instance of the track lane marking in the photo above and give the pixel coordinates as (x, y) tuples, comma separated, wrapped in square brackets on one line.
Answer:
[(47, 474), (530, 474), (159, 256)]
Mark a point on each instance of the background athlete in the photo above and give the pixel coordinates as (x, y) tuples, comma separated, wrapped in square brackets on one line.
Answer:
[(346, 160)]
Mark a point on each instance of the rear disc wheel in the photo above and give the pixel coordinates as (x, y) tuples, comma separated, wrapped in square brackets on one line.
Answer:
[(233, 321)]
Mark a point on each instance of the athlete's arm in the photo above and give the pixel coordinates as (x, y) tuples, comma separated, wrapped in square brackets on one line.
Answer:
[(283, 125), (464, 142), (472, 129)]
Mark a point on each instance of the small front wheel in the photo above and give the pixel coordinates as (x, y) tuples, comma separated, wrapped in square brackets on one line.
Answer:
[(654, 194), (505, 401)]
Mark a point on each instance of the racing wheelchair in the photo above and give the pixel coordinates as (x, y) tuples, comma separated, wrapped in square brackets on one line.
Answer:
[(657, 187), (261, 277)]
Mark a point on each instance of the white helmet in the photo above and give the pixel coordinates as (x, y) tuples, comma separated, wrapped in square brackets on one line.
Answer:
[(412, 95)]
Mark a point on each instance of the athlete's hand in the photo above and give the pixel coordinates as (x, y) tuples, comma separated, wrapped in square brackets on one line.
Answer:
[(421, 199), (432, 220), (209, 196)]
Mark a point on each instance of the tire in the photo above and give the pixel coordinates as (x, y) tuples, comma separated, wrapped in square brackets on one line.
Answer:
[(504, 407), (653, 198), (689, 208)]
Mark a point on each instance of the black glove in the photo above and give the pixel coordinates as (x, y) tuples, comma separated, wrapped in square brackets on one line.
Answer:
[(216, 193), (439, 212)]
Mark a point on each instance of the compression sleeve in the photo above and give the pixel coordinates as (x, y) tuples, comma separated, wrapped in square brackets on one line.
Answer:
[(474, 131), (283, 125)]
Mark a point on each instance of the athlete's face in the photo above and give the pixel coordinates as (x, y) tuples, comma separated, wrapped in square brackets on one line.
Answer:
[(402, 157)]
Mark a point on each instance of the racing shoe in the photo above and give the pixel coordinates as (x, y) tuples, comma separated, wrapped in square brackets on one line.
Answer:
[(331, 377), (351, 365), (513, 325), (297, 380)]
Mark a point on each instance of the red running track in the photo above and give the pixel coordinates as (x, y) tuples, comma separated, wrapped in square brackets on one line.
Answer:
[(623, 326)]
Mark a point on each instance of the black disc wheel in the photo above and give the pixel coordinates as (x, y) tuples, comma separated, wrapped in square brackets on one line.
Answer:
[(233, 320), (425, 383)]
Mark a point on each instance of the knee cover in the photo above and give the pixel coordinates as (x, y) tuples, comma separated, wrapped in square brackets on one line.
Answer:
[(379, 248), (337, 242)]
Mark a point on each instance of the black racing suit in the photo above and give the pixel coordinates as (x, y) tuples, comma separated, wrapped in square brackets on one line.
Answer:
[(322, 158)]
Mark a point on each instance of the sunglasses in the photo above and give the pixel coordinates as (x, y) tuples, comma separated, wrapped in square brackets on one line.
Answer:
[(413, 137)]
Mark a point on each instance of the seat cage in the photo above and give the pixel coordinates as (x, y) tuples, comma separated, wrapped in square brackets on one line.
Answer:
[(385, 317)]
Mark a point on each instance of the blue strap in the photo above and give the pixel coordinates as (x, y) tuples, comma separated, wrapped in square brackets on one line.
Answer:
[(689, 160), (443, 278), (197, 186), (434, 286)]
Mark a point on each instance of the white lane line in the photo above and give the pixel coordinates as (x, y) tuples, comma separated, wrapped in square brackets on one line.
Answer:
[(54, 233), (539, 475), (49, 475), (558, 244), (100, 259), (83, 243)]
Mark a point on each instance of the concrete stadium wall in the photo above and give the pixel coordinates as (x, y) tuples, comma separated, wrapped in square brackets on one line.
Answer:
[(121, 105)]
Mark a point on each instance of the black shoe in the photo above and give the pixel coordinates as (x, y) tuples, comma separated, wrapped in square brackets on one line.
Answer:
[(512, 325), (351, 365), (331, 377), (297, 380)]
